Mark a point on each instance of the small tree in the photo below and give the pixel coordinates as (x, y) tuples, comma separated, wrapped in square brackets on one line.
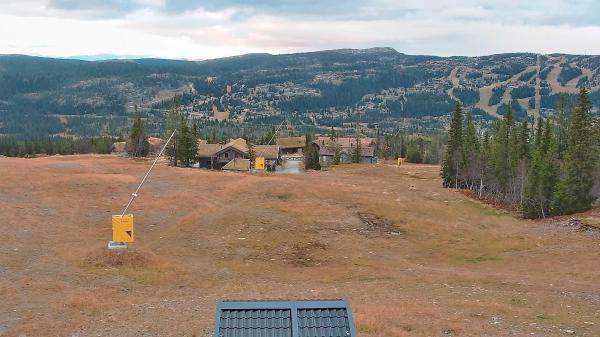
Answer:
[(357, 151), (184, 146), (543, 170), (138, 145), (311, 155), (452, 160), (336, 156), (413, 154), (469, 152), (251, 152)]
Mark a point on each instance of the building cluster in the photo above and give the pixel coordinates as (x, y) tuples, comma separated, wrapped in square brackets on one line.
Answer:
[(239, 155), (287, 153)]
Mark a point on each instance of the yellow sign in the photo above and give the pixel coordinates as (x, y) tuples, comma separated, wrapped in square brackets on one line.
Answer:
[(122, 228), (259, 163), (399, 161)]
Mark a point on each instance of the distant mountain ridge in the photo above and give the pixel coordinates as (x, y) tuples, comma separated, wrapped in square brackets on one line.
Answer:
[(379, 87)]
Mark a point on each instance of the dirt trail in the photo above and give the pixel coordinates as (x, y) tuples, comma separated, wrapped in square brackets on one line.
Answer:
[(413, 258), (538, 97), (455, 83)]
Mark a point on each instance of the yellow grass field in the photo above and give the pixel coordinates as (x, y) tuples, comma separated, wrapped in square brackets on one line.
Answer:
[(413, 258)]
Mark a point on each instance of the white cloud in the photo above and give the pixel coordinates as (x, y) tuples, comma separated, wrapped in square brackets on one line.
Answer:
[(462, 27)]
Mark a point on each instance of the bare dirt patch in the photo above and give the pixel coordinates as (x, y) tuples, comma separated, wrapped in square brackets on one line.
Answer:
[(376, 226), (118, 258), (306, 254)]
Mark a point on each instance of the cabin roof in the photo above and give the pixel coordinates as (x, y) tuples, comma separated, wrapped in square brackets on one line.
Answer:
[(305, 318), (209, 150), (291, 142)]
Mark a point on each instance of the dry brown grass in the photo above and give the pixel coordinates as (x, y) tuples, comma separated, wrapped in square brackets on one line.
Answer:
[(414, 259)]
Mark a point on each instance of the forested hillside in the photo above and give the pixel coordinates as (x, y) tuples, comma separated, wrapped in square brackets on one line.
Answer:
[(380, 87)]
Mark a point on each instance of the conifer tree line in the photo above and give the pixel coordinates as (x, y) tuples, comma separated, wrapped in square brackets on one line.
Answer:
[(12, 147), (547, 169)]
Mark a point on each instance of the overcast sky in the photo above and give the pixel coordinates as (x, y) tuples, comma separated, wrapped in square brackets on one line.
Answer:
[(197, 29)]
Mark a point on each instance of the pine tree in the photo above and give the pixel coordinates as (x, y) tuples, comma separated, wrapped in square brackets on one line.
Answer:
[(188, 144), (183, 148), (451, 163), (539, 132), (251, 152), (173, 124), (311, 155), (138, 145), (502, 156), (470, 153), (563, 115), (575, 186), (543, 170), (485, 154)]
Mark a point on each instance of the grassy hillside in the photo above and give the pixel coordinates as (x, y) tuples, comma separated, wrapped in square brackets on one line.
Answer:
[(413, 258)]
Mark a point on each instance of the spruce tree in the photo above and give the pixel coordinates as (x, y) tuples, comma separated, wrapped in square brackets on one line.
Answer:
[(138, 145), (470, 153), (574, 189), (173, 124), (523, 144), (543, 171), (539, 132), (451, 162), (562, 117), (501, 154), (357, 151), (311, 155), (183, 148)]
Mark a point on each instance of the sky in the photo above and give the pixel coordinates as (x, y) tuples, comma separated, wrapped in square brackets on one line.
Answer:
[(204, 29)]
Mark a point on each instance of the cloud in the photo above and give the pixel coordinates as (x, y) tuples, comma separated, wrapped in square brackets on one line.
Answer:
[(209, 28), (98, 8)]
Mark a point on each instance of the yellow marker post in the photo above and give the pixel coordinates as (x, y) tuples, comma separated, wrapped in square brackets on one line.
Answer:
[(259, 163), (122, 228), (399, 161)]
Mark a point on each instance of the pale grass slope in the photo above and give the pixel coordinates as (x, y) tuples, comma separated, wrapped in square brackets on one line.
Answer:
[(414, 259)]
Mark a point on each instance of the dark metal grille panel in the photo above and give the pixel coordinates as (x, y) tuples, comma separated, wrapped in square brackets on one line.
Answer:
[(256, 323), (323, 323)]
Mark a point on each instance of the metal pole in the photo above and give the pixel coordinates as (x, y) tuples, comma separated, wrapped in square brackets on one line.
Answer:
[(270, 140), (134, 194)]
